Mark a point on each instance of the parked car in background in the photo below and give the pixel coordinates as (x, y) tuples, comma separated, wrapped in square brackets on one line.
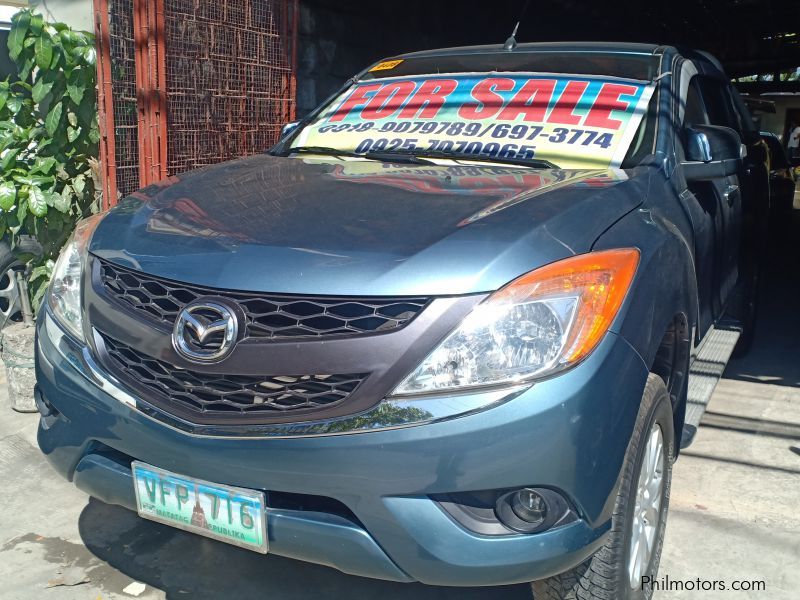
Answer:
[(442, 332), (782, 177)]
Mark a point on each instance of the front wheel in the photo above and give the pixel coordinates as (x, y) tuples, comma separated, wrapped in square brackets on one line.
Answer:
[(633, 550)]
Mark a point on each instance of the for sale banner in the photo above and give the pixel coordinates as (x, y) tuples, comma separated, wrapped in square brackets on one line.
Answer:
[(572, 121)]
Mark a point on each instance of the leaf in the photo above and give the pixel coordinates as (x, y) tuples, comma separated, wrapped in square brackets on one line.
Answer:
[(26, 69), (75, 92), (6, 140), (94, 134), (22, 205), (14, 104), (37, 300), (43, 51), (19, 29), (68, 194), (36, 202), (58, 52), (8, 159), (23, 180), (44, 270), (42, 180), (73, 133), (78, 184), (68, 37), (57, 201), (72, 118), (36, 23), (8, 195), (44, 164), (40, 90), (53, 118), (89, 55)]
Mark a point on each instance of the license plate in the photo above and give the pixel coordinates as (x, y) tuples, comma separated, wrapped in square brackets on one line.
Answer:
[(229, 514)]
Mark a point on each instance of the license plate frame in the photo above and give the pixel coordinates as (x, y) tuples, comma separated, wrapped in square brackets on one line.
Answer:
[(202, 493)]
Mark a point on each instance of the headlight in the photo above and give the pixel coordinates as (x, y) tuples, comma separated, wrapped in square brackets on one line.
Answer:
[(540, 323), (64, 296)]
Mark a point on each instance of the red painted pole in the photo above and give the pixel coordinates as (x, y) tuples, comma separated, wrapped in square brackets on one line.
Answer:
[(150, 55), (105, 105)]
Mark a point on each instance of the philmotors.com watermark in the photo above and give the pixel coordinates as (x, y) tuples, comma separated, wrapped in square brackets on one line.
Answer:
[(667, 584)]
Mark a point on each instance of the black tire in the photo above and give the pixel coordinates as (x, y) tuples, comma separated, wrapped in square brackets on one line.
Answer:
[(604, 576)]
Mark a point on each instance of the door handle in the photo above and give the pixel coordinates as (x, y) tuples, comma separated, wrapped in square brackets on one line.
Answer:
[(730, 194)]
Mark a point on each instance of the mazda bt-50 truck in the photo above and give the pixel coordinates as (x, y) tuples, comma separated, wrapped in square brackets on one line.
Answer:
[(443, 331)]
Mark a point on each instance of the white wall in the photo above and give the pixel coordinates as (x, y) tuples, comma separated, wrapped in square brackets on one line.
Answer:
[(5, 14), (75, 13)]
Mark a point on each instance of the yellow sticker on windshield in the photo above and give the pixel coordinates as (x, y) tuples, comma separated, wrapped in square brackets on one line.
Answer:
[(386, 65)]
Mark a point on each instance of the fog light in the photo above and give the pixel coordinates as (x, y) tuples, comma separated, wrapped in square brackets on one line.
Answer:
[(529, 506), (530, 510), (516, 510)]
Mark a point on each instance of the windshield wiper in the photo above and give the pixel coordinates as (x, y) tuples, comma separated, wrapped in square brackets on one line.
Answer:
[(535, 163), (397, 157), (419, 157), (320, 150)]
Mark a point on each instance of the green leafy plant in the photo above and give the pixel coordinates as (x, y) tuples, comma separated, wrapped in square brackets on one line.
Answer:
[(48, 140)]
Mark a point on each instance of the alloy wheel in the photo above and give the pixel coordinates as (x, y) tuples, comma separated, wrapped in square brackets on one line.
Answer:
[(649, 494), (9, 297)]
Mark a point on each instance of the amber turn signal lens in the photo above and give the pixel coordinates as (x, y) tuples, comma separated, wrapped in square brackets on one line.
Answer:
[(600, 281)]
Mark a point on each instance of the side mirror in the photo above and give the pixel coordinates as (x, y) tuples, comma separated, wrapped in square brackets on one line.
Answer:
[(698, 148), (289, 128), (712, 151)]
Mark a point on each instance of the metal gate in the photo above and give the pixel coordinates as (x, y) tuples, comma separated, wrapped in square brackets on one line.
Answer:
[(187, 83)]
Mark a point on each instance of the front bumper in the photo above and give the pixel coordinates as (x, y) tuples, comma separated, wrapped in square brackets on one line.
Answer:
[(569, 432)]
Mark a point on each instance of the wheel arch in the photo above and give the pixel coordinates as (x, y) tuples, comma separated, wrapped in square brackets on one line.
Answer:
[(660, 313)]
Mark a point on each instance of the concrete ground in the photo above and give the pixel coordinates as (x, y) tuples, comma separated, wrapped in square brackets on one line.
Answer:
[(734, 508)]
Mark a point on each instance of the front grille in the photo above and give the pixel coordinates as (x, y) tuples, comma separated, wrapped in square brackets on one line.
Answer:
[(230, 395), (268, 315)]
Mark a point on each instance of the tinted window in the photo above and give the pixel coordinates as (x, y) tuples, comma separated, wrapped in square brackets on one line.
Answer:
[(716, 101), (694, 111), (743, 116)]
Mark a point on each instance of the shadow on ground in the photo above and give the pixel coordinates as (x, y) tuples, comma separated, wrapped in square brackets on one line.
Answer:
[(184, 565), (777, 334)]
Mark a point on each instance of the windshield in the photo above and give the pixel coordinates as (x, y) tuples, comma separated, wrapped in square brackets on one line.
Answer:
[(644, 67), (569, 121)]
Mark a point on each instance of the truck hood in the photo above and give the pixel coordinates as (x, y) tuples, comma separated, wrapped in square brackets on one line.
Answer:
[(329, 226)]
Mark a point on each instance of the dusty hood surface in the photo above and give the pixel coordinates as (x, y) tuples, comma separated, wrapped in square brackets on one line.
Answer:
[(337, 227)]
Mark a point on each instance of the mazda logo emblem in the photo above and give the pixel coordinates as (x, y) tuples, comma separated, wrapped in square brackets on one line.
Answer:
[(205, 331)]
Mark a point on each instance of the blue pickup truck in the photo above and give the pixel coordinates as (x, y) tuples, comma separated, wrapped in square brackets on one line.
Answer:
[(453, 328)]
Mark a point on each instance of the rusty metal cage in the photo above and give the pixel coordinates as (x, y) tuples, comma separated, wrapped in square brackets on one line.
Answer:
[(123, 118), (228, 82), (229, 79)]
